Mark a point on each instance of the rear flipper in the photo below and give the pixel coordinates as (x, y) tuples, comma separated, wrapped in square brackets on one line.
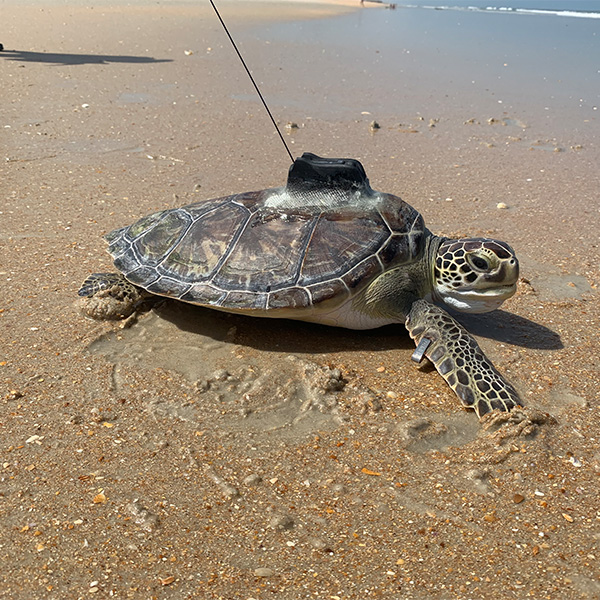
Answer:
[(97, 282), (109, 296), (459, 360)]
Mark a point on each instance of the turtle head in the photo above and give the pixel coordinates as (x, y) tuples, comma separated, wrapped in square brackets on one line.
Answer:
[(475, 275)]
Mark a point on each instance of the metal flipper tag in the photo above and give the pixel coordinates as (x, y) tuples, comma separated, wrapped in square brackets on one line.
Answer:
[(420, 350)]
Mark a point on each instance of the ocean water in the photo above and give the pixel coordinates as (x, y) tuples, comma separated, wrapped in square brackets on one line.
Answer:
[(586, 9), (527, 58)]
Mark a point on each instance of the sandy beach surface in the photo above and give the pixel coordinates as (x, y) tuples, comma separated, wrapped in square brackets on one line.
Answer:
[(192, 454)]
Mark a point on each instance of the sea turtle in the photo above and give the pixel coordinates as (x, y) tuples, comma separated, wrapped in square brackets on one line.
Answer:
[(324, 248)]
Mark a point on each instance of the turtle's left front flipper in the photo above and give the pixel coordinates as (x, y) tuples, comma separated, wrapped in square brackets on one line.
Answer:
[(459, 359)]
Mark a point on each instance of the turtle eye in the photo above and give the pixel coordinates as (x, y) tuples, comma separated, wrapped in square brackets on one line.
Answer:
[(480, 263)]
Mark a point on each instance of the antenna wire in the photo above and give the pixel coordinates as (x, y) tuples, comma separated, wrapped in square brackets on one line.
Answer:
[(251, 79)]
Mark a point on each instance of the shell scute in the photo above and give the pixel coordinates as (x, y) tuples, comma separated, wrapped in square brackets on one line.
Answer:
[(365, 271), (203, 293), (246, 300), (119, 242), (139, 275), (167, 286), (205, 243), (267, 254), (396, 249), (339, 241), (294, 297), (141, 226), (335, 288), (157, 241), (399, 216)]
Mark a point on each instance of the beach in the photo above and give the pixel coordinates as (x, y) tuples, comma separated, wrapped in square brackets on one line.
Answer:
[(187, 453)]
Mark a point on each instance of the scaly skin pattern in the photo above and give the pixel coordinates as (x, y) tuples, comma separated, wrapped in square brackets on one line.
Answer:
[(97, 282), (460, 361), (474, 275), (109, 296)]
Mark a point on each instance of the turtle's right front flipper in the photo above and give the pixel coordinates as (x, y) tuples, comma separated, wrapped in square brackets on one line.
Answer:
[(459, 359)]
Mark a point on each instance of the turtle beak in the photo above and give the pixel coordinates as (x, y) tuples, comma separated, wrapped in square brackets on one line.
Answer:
[(480, 301), (506, 274)]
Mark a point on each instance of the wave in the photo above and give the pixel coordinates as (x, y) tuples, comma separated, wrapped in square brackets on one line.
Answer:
[(582, 14), (560, 13)]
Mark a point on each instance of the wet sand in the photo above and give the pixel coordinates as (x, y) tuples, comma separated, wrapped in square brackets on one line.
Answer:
[(191, 454)]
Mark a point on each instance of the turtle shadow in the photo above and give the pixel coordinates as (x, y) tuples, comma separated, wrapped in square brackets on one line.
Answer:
[(512, 329), (280, 335), (56, 59), (285, 335)]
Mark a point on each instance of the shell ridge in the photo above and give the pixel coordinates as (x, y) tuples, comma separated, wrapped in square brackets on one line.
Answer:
[(384, 245), (414, 233), (121, 252), (367, 258), (189, 287), (310, 295), (315, 287), (251, 211), (163, 277), (226, 200), (159, 265), (133, 251), (304, 251), (134, 239), (146, 283), (234, 240), (385, 221)]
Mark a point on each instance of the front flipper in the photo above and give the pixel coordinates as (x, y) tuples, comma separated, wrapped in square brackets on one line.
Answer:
[(459, 359)]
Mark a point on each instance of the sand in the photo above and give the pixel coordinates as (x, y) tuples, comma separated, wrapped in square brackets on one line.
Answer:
[(188, 454)]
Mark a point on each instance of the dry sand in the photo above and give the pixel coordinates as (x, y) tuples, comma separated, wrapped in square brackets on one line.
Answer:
[(200, 455)]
